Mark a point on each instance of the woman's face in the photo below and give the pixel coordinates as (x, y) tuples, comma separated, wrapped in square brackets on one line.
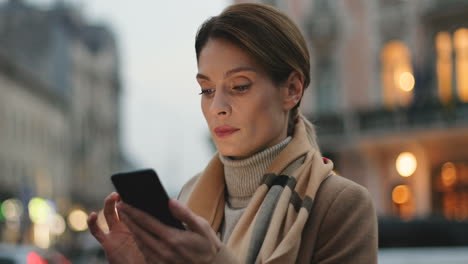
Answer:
[(245, 111)]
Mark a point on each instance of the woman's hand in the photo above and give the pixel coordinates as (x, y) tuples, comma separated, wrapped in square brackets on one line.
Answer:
[(160, 243), (118, 244)]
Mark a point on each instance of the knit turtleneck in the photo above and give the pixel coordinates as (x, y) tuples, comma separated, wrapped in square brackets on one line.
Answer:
[(243, 176)]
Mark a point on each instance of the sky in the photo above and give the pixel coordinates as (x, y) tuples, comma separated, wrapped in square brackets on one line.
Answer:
[(162, 123), (163, 126)]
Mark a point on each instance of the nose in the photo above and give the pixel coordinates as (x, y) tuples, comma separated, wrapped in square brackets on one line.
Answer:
[(220, 104)]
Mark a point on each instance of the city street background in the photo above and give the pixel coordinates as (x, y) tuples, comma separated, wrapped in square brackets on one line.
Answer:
[(89, 88)]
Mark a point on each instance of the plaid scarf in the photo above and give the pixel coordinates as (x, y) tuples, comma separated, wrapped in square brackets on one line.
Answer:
[(270, 228)]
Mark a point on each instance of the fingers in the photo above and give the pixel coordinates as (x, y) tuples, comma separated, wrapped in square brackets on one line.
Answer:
[(145, 221), (151, 247), (184, 214), (109, 210), (94, 228), (167, 244), (194, 222)]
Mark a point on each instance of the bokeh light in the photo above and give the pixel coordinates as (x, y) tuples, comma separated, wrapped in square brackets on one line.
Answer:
[(77, 220), (401, 194), (406, 164), (34, 258), (406, 81), (39, 210), (52, 206), (449, 174), (57, 225), (12, 209), (42, 235)]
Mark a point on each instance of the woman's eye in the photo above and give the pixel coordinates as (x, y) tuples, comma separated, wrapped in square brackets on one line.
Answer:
[(206, 91), (241, 88)]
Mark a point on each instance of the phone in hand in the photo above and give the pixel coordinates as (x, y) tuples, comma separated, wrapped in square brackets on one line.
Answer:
[(142, 189)]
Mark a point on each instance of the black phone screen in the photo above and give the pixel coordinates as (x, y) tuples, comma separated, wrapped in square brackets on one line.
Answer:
[(142, 189)]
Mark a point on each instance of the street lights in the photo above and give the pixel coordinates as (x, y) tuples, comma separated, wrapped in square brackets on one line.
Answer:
[(406, 165)]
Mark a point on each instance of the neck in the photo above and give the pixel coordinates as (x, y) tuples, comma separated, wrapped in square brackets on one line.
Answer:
[(243, 176)]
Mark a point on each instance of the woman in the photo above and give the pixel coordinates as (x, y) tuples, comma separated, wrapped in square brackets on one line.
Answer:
[(267, 196)]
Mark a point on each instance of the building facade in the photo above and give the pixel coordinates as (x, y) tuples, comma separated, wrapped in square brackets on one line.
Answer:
[(389, 98), (59, 107), (35, 151)]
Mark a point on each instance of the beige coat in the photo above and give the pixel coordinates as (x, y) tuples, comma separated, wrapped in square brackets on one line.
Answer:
[(319, 217), (342, 227)]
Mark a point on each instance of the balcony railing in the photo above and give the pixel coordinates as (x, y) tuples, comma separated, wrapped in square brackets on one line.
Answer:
[(379, 121)]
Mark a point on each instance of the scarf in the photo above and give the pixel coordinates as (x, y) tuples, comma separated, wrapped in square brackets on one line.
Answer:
[(270, 228)]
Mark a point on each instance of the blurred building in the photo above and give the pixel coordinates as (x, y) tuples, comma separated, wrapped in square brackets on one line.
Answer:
[(34, 153), (59, 106), (389, 97)]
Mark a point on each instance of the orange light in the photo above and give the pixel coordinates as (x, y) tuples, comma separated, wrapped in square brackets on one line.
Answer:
[(461, 47), (401, 194), (449, 174), (444, 66), (397, 75)]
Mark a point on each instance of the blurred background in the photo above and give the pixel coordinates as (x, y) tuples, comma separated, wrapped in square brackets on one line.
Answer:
[(88, 88)]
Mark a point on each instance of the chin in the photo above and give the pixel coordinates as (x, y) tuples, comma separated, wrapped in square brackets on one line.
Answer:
[(232, 151)]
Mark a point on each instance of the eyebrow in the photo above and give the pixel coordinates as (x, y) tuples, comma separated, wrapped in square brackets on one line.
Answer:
[(228, 73)]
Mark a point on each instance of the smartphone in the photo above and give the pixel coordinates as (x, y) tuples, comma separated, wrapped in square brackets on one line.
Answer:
[(142, 189)]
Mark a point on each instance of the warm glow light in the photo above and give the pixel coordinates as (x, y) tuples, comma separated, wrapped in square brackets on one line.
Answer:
[(397, 75), (406, 81), (57, 225), (449, 174), (444, 66), (39, 210), (461, 46), (406, 164), (41, 235), (77, 220), (12, 209), (401, 194)]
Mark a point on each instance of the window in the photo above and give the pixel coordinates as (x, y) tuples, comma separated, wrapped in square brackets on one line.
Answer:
[(444, 66), (397, 75), (451, 190), (461, 54), (447, 47)]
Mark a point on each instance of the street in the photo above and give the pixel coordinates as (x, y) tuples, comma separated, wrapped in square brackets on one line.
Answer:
[(439, 255)]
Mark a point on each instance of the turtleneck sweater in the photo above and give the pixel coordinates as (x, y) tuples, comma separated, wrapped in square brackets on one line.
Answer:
[(242, 178)]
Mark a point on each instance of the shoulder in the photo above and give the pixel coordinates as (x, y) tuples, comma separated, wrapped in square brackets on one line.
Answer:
[(187, 189), (342, 227), (340, 201), (337, 189)]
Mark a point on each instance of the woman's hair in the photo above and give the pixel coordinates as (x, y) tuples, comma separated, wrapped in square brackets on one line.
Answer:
[(270, 37)]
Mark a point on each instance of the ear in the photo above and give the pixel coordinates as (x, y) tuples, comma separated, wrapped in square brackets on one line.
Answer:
[(293, 88)]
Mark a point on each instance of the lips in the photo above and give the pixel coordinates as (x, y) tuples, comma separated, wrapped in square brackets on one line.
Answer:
[(224, 131)]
